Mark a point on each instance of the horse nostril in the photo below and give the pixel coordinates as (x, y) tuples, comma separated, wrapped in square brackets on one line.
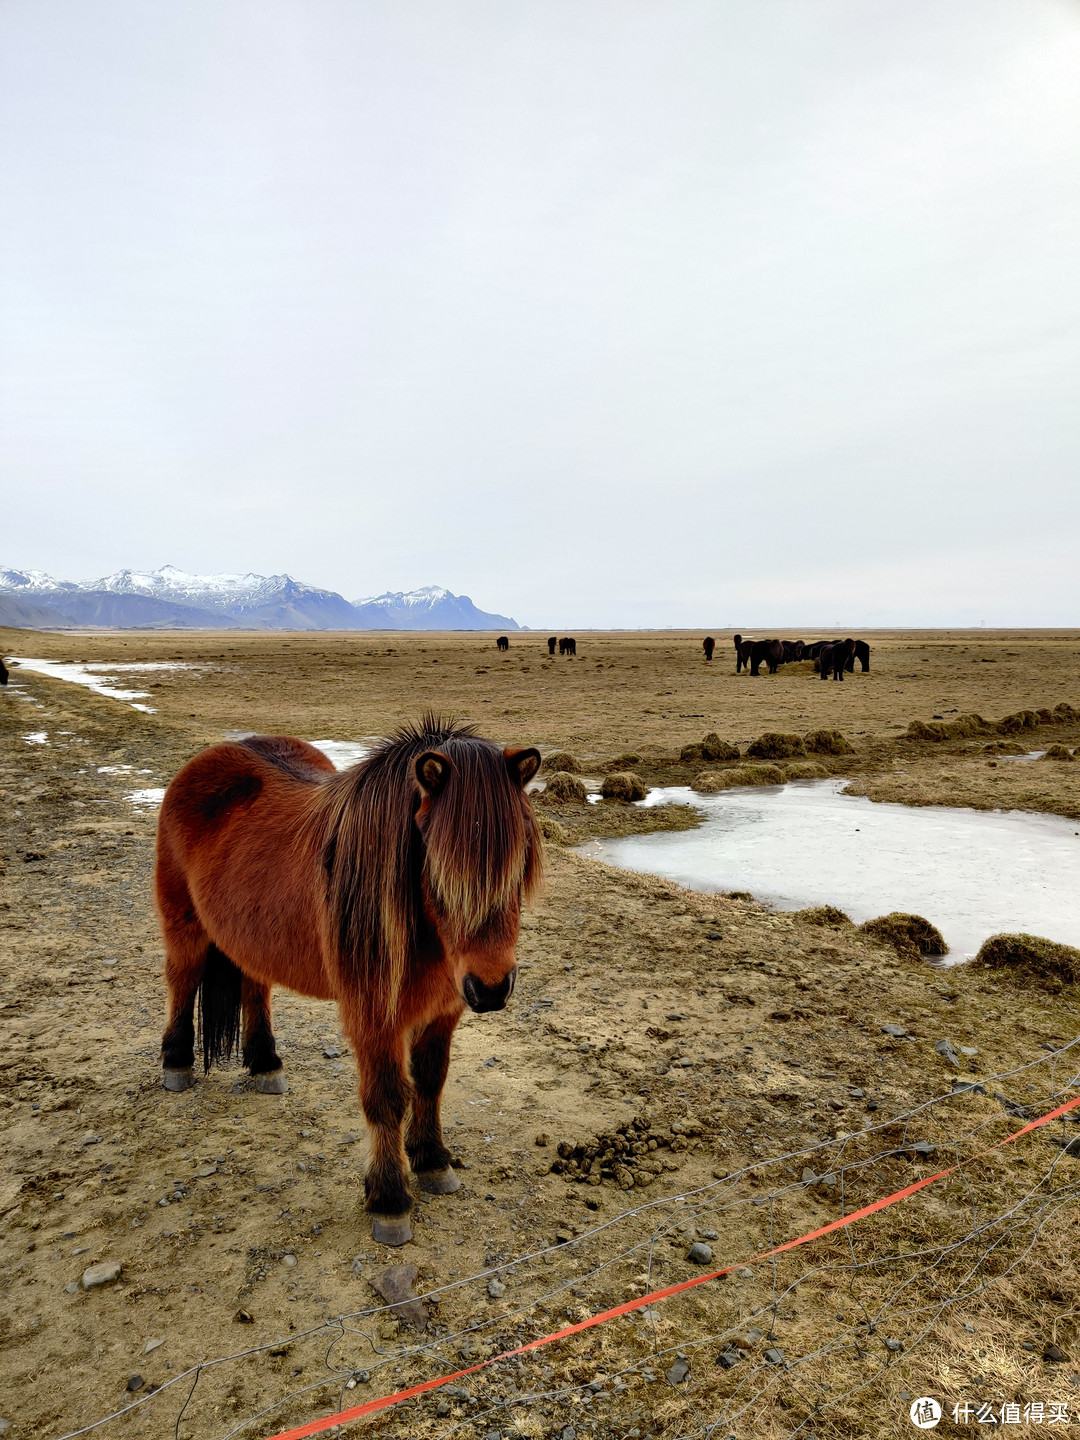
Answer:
[(469, 989), (513, 981)]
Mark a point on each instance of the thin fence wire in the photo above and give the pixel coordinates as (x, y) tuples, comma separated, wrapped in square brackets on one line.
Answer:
[(675, 1213)]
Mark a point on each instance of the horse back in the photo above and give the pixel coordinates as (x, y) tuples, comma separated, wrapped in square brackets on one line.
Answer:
[(226, 780)]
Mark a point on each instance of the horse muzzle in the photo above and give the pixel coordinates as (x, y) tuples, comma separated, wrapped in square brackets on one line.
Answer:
[(481, 997)]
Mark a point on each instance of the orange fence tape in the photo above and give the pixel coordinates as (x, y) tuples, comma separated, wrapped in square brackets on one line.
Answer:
[(385, 1402)]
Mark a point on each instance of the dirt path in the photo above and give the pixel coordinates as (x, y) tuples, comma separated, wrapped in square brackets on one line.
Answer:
[(732, 1036)]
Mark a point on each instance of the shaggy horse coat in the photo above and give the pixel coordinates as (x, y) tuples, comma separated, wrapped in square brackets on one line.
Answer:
[(833, 659), (503, 642), (708, 645), (3, 673), (553, 640), (743, 651), (862, 654), (393, 888), (771, 651), (793, 650), (568, 645)]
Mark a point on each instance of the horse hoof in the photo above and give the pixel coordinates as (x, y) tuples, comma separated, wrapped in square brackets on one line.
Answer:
[(178, 1079), (439, 1182), (391, 1229), (275, 1083)]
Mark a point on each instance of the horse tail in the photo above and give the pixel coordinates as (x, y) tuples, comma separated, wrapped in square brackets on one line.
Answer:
[(219, 1008)]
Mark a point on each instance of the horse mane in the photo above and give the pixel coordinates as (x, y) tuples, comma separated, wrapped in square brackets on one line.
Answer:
[(480, 852)]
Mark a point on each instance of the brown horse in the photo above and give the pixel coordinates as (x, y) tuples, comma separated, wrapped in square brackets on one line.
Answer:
[(708, 645), (394, 888), (552, 642), (833, 659), (503, 642), (743, 650)]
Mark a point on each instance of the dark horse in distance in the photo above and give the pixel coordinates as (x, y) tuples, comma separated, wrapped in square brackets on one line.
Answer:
[(394, 888), (503, 642), (743, 651), (552, 642), (708, 645), (567, 645), (834, 659), (862, 654)]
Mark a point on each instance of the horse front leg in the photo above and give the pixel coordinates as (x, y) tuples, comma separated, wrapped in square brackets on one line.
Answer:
[(385, 1094), (260, 1049), (429, 1157)]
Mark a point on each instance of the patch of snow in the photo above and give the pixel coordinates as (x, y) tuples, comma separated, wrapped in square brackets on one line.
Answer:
[(78, 674), (343, 752), (148, 799), (37, 737)]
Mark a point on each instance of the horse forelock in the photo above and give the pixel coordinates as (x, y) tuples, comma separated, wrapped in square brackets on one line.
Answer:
[(479, 853), (481, 844)]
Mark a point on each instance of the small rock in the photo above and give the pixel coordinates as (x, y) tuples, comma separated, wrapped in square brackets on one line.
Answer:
[(699, 1253), (5, 1425), (753, 1335), (568, 1433), (894, 1345), (491, 1060), (709, 1234), (136, 1382), (857, 1094), (727, 1359), (543, 1138), (152, 1345), (395, 1285), (744, 1273), (73, 1288), (969, 1050), (331, 1052), (678, 1372), (775, 1356), (1053, 1353), (496, 1288), (289, 1261), (967, 1087), (362, 1377), (244, 1317), (205, 1171), (922, 1149), (947, 1050), (442, 1409), (897, 1032), (103, 1274)]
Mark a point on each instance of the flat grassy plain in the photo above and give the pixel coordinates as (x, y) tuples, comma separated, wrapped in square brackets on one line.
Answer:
[(748, 1045)]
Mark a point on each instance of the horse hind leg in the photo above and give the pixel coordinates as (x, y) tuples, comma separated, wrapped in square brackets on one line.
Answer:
[(185, 958), (259, 1052), (428, 1155)]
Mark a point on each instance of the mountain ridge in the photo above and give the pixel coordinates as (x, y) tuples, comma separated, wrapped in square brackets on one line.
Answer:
[(169, 598)]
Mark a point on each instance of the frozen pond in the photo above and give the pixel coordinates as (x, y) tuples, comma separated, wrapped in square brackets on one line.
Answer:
[(972, 873), (344, 752)]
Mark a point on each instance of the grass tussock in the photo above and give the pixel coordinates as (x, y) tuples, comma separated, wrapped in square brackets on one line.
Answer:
[(561, 760), (1019, 720), (827, 742), (805, 770), (552, 831), (910, 936), (822, 915), (775, 745), (621, 762), (623, 785), (1030, 957), (1057, 752), (563, 788), (713, 748)]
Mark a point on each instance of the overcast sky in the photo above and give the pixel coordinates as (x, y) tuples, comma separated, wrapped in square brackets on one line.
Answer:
[(742, 311)]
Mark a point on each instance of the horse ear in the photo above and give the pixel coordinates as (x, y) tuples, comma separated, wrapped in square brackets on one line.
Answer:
[(432, 771), (522, 764)]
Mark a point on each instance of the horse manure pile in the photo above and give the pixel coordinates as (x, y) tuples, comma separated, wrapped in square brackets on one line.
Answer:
[(631, 1157)]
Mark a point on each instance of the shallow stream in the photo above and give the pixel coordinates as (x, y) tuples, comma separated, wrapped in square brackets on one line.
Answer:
[(972, 873)]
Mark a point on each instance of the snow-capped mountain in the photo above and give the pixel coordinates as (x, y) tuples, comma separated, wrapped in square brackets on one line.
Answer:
[(170, 598), (431, 608)]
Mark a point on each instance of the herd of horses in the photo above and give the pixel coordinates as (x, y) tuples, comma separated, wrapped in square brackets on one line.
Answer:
[(830, 657), (567, 644)]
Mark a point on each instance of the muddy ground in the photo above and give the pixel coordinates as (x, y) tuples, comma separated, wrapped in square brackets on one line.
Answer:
[(683, 1041)]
